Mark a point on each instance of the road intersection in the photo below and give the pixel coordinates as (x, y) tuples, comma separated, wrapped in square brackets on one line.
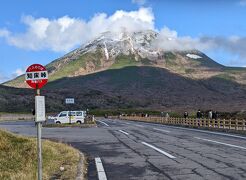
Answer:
[(137, 150)]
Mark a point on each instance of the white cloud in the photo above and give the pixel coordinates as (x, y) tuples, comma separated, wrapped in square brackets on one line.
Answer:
[(4, 33), (242, 3), (139, 2), (169, 40), (18, 72), (132, 21), (65, 33), (57, 35), (234, 45)]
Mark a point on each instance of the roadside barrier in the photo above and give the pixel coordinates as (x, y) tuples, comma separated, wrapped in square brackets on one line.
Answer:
[(230, 124)]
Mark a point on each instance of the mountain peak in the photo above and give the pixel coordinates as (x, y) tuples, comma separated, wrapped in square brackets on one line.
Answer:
[(126, 43), (113, 50)]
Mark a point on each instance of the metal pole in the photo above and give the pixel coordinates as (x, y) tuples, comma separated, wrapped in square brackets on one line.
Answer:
[(39, 143), (39, 126), (69, 115)]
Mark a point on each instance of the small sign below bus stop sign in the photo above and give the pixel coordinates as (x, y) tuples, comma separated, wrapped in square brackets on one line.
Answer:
[(69, 100), (40, 108), (36, 76)]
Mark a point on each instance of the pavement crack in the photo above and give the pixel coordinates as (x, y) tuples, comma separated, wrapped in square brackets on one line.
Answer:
[(211, 169), (155, 168), (158, 169), (197, 173)]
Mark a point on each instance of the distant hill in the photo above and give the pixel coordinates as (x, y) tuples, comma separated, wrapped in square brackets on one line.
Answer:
[(15, 99), (149, 88), (127, 71)]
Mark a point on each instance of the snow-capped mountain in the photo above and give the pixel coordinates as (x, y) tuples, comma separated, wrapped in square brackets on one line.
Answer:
[(112, 44), (117, 50), (128, 70)]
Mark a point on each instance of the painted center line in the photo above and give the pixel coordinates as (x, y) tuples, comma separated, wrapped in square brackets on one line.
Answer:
[(162, 130), (217, 142), (139, 125), (100, 170), (159, 150), (103, 123), (124, 132)]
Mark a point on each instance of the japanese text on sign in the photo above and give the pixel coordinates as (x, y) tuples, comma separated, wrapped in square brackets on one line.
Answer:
[(69, 100), (36, 75)]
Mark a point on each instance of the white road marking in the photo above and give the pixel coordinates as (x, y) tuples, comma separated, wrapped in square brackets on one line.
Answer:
[(162, 130), (217, 142), (103, 123), (209, 132), (100, 170), (139, 125), (124, 132), (159, 150)]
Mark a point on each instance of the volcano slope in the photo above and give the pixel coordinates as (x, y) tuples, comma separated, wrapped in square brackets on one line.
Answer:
[(128, 72)]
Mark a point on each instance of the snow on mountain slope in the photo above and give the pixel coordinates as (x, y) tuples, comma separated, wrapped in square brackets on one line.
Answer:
[(125, 43), (112, 50), (193, 56)]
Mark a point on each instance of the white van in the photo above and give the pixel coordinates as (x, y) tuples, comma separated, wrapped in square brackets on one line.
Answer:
[(70, 117)]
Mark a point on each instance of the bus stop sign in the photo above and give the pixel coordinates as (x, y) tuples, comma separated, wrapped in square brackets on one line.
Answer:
[(36, 76)]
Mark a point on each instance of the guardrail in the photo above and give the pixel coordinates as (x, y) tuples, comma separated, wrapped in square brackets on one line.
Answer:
[(208, 123)]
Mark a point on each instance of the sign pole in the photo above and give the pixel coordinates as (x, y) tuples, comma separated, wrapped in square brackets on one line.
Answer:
[(69, 116), (69, 101), (39, 142), (39, 126), (36, 77)]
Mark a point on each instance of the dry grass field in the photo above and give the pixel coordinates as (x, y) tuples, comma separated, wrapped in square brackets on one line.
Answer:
[(18, 158)]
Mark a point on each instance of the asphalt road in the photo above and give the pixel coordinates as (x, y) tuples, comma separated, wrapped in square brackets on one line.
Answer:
[(145, 151)]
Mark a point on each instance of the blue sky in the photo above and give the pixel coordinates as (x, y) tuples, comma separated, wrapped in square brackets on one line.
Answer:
[(218, 28)]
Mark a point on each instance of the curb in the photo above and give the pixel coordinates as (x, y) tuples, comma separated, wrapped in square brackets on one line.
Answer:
[(81, 167)]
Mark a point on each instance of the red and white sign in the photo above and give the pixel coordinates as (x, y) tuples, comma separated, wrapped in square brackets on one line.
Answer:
[(36, 76)]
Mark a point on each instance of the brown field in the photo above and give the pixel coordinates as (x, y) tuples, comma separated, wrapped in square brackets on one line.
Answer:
[(18, 158)]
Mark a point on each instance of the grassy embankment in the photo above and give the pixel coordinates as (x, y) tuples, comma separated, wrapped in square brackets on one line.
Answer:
[(18, 158)]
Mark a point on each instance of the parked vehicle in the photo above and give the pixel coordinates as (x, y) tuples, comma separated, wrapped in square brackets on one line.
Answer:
[(70, 117)]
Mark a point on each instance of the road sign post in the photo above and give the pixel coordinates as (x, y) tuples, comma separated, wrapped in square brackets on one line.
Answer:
[(37, 77), (39, 139), (69, 101)]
